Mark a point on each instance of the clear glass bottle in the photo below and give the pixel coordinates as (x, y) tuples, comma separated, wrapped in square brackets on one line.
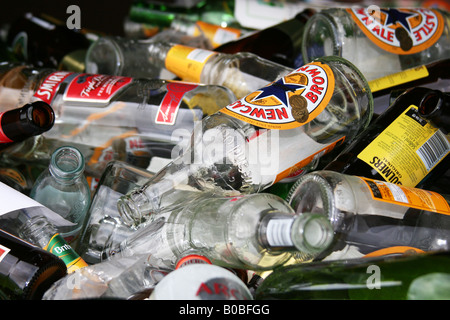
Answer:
[(236, 150), (372, 217), (257, 232), (242, 72), (379, 41), (64, 189), (103, 226), (107, 117)]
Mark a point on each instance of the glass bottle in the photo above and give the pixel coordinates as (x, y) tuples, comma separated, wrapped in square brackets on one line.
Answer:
[(26, 271), (103, 226), (434, 75), (242, 72), (280, 43), (436, 110), (200, 282), (29, 220), (42, 42), (64, 189), (407, 277), (399, 146), (257, 141), (30, 120), (379, 41), (257, 232), (372, 217), (107, 117)]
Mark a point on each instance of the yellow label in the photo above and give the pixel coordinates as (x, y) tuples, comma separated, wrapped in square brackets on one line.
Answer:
[(406, 196), (289, 102), (398, 78), (407, 150), (400, 30), (187, 62)]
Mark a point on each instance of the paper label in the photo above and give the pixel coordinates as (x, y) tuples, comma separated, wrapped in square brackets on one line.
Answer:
[(168, 109), (406, 196), (3, 137), (216, 34), (94, 87), (400, 30), (407, 150), (50, 85), (398, 78), (187, 62), (59, 247), (3, 252), (289, 102)]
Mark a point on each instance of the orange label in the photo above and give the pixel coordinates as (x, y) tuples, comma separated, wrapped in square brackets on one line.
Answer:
[(216, 34), (289, 102), (297, 169), (406, 196), (398, 250), (187, 62), (398, 30)]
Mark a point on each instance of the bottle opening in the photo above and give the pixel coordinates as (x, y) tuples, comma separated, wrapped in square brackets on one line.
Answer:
[(42, 115), (67, 162), (314, 231)]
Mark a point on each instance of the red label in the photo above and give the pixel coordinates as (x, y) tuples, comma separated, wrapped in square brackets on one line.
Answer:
[(3, 252), (94, 87), (50, 85), (3, 137), (170, 104)]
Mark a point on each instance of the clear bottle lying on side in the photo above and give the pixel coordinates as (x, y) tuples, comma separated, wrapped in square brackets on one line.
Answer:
[(107, 117), (379, 41), (242, 72), (256, 232), (372, 217), (272, 134)]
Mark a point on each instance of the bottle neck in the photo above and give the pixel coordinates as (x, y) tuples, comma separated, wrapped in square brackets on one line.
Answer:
[(305, 232), (66, 164), (435, 107)]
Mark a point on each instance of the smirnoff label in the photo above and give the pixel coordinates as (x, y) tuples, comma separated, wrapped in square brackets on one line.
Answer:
[(398, 30), (82, 87), (289, 102)]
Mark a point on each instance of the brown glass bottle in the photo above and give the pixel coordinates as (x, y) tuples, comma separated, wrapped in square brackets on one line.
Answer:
[(435, 75), (26, 271), (280, 43), (436, 109), (30, 120), (399, 146), (44, 43)]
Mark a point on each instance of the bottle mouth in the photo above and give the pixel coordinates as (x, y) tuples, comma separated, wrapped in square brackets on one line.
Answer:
[(316, 232), (104, 57), (41, 116), (131, 207), (320, 38), (67, 162)]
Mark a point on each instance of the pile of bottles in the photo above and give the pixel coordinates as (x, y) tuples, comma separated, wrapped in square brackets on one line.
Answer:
[(203, 155)]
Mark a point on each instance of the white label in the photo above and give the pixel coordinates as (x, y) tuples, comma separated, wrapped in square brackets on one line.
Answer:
[(279, 232), (200, 55)]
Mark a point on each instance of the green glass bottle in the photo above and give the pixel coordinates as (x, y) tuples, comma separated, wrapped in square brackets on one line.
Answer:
[(422, 276)]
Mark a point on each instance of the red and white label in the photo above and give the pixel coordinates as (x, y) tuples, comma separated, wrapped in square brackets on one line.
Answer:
[(94, 87), (3, 252), (168, 109), (3, 137), (50, 85)]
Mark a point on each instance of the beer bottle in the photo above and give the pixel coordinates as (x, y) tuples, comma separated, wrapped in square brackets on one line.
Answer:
[(30, 120), (46, 44), (26, 271), (280, 43), (399, 146), (434, 75)]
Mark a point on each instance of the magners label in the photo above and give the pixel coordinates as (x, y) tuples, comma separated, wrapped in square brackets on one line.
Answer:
[(289, 102), (398, 30)]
